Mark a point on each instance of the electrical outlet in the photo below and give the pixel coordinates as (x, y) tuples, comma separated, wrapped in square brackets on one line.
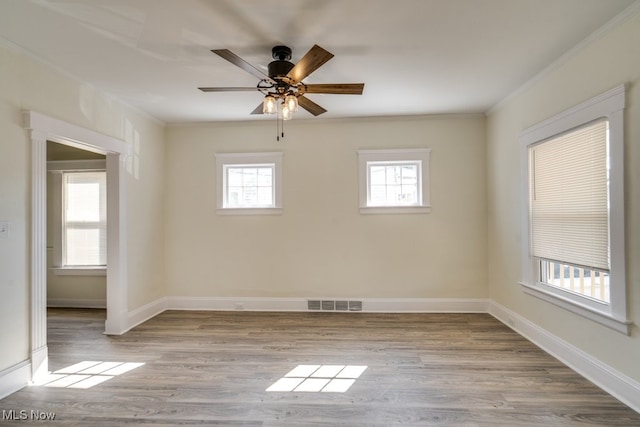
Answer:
[(4, 229)]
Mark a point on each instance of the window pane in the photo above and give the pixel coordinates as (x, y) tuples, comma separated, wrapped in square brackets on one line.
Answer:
[(83, 247), (250, 196), (393, 174), (265, 177), (409, 174), (265, 196), (234, 196), (378, 194), (83, 201), (377, 175), (584, 281), (234, 177), (85, 219), (249, 177)]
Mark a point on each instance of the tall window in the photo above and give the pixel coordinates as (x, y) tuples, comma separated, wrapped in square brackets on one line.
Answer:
[(569, 199), (84, 219), (249, 183), (394, 181), (573, 223)]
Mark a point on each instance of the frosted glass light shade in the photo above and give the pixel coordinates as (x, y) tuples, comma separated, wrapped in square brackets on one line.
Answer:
[(269, 105)]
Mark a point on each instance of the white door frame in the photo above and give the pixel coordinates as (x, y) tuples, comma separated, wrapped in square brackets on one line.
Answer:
[(42, 129)]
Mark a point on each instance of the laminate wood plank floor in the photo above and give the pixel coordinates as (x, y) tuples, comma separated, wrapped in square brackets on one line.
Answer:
[(213, 368)]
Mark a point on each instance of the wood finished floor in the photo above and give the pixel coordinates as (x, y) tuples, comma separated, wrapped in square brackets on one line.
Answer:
[(212, 368)]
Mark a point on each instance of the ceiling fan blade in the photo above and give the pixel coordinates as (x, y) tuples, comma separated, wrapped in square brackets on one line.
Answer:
[(310, 62), (239, 62), (336, 88), (227, 89), (258, 109), (310, 106)]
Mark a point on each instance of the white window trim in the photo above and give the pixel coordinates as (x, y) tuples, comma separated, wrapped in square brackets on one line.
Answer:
[(394, 155), (609, 105), (225, 159), (55, 169)]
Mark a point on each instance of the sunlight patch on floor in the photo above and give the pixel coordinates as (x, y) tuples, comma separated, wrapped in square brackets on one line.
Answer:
[(319, 378), (86, 374)]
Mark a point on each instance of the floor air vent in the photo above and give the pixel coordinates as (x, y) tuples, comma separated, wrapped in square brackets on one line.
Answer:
[(333, 305), (355, 305), (328, 305), (342, 305), (313, 304)]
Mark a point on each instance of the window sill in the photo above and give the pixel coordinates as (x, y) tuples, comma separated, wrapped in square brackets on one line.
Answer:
[(395, 209), (79, 271), (249, 211), (584, 310)]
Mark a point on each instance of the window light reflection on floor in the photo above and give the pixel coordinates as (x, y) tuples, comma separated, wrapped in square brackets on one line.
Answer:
[(319, 378), (86, 374)]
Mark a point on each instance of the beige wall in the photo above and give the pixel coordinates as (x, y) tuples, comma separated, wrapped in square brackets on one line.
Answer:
[(321, 246), (600, 65), (27, 84)]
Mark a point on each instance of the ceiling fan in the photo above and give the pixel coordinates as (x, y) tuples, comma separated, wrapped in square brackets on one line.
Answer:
[(283, 85)]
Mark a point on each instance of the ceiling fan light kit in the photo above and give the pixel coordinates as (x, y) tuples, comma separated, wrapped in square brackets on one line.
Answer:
[(284, 84)]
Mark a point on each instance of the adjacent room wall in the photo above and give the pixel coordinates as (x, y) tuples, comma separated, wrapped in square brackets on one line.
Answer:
[(26, 84), (321, 246), (601, 64)]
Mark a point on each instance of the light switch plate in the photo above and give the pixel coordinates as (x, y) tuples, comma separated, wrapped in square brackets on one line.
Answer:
[(4, 229)]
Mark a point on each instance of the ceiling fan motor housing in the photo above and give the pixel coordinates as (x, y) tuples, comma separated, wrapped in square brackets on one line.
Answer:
[(281, 65), (279, 69)]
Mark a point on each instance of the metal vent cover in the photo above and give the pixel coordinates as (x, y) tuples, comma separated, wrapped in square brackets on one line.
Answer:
[(355, 305), (313, 304), (334, 305), (342, 305), (328, 305)]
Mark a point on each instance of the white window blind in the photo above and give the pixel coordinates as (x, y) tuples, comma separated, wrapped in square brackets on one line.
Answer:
[(569, 218), (85, 218)]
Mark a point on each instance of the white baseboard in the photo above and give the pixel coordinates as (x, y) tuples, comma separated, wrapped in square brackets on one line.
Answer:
[(144, 313), (388, 305), (236, 303), (76, 303), (620, 386), (14, 378), (424, 305)]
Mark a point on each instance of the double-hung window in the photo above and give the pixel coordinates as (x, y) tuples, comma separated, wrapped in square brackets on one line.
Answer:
[(249, 183), (78, 216), (574, 210), (394, 181)]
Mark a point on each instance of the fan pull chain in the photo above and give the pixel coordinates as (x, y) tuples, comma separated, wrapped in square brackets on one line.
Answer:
[(279, 125)]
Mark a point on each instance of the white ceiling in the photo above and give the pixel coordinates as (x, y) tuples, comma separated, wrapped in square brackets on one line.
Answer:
[(414, 56)]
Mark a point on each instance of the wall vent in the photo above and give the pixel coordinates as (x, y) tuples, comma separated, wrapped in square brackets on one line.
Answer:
[(342, 305), (313, 304), (333, 305), (328, 305), (355, 305)]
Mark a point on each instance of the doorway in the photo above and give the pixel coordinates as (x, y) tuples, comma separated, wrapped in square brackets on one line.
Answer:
[(42, 129)]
